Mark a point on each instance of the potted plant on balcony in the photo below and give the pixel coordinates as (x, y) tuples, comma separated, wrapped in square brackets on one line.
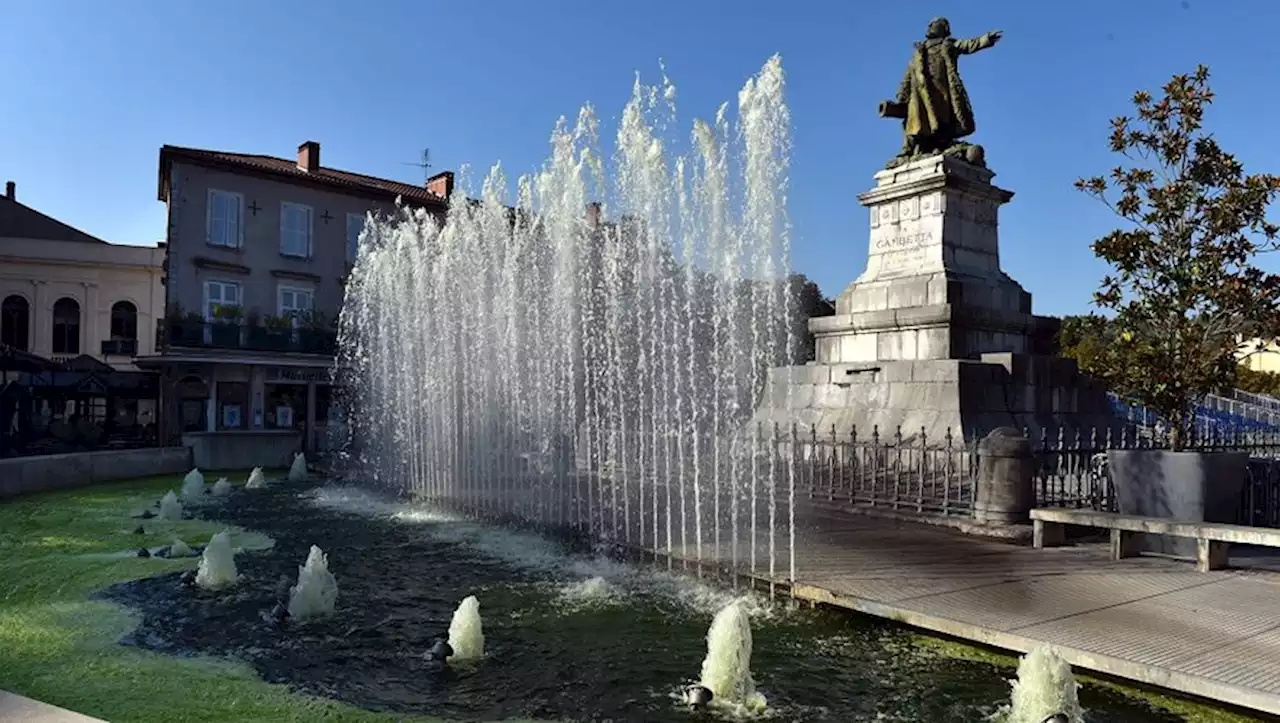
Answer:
[(226, 326), (278, 332), (1182, 294), (182, 328), (315, 333)]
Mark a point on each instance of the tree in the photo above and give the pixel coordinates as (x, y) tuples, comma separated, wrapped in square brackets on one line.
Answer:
[(1183, 286), (1087, 339)]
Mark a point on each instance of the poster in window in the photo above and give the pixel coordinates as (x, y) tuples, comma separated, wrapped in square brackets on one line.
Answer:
[(231, 416), (284, 416)]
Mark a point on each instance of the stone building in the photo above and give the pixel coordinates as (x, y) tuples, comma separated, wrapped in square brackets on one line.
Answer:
[(65, 293), (258, 250)]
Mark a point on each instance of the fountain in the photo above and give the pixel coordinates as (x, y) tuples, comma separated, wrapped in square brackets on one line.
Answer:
[(221, 488), (217, 568), (1045, 688), (170, 507), (192, 489), (466, 636), (256, 479), (316, 591), (591, 365), (298, 470), (726, 671)]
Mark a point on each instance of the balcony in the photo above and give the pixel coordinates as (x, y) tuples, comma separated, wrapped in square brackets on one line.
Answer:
[(119, 347), (242, 337)]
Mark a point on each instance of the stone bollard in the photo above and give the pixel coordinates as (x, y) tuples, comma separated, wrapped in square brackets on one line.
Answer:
[(1005, 490)]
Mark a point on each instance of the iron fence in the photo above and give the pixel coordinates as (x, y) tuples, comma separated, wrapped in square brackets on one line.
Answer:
[(895, 472), (1071, 468), (927, 476)]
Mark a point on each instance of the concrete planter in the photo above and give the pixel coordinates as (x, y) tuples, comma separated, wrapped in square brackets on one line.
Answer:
[(1192, 486)]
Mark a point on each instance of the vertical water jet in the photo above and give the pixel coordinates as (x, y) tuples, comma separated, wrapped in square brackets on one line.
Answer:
[(316, 592), (588, 354), (170, 507), (217, 568), (466, 634)]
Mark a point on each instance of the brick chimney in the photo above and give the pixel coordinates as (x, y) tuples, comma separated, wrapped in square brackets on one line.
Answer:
[(441, 184), (593, 214), (309, 157), (11, 190)]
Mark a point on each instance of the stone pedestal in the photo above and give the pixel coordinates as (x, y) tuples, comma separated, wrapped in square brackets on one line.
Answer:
[(934, 337)]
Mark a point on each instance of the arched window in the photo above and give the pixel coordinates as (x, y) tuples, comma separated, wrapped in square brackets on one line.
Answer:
[(66, 326), (124, 321), (15, 323)]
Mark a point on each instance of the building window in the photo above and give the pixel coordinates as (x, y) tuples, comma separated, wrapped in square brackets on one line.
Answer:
[(15, 323), (124, 321), (295, 230), (66, 326), (355, 226), (219, 293), (295, 302), (226, 220)]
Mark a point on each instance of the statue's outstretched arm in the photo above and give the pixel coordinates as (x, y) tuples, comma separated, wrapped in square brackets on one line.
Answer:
[(982, 42)]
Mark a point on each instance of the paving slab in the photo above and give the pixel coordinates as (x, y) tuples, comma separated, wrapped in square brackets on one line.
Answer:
[(14, 707)]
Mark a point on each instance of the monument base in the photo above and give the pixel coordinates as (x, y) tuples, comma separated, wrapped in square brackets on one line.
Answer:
[(936, 397)]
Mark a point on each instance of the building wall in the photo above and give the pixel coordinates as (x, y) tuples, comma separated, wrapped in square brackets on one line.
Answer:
[(193, 261), (96, 276), (1264, 360)]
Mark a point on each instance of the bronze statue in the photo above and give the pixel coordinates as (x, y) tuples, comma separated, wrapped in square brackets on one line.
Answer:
[(932, 101)]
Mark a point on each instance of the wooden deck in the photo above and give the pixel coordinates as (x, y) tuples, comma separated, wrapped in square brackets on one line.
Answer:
[(1152, 620)]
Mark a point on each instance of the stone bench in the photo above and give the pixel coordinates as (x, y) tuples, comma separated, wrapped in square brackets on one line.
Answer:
[(1212, 538)]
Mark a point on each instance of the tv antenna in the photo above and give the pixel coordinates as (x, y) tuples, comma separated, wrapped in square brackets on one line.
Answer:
[(424, 164)]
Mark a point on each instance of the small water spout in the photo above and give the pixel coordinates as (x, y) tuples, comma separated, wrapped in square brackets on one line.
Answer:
[(317, 591), (726, 671), (170, 507), (179, 549), (192, 486), (298, 470), (256, 480), (466, 636), (1044, 692), (221, 488), (218, 563)]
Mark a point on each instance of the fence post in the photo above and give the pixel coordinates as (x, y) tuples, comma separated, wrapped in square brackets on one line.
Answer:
[(1005, 486)]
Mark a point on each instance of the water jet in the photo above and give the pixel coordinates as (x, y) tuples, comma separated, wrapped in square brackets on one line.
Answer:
[(170, 507), (298, 470), (178, 548), (192, 486), (1045, 691), (217, 568), (726, 671), (317, 591), (221, 488), (466, 635), (256, 480)]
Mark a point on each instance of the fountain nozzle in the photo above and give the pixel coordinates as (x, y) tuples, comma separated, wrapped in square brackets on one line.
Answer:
[(699, 696), (1056, 718), (440, 651)]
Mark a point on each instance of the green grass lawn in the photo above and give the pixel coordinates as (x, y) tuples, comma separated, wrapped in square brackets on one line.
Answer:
[(59, 647)]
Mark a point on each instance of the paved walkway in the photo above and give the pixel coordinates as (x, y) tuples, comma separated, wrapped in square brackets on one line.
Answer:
[(1153, 620), (14, 707)]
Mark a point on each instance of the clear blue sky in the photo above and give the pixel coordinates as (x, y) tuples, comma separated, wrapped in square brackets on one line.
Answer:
[(92, 89)]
